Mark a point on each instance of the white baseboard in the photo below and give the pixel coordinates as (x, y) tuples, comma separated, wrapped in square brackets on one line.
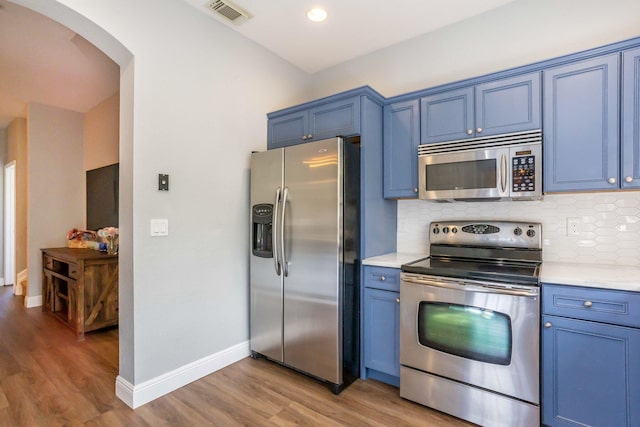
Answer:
[(35, 301), (137, 395), (1, 281)]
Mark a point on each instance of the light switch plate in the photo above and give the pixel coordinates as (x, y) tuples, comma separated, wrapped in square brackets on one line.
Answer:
[(159, 227), (163, 182)]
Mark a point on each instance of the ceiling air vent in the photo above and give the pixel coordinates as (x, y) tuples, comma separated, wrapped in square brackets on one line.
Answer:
[(229, 11)]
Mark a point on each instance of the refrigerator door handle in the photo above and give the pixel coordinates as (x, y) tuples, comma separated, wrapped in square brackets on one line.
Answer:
[(285, 263), (274, 233)]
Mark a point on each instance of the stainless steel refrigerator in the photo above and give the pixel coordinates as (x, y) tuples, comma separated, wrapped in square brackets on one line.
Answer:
[(305, 249)]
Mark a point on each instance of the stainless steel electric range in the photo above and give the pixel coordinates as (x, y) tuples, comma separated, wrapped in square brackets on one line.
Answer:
[(469, 322)]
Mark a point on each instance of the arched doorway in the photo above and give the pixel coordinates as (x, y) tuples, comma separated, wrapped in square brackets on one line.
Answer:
[(115, 50)]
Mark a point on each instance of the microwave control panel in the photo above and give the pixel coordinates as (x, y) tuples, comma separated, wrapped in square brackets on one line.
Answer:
[(523, 173)]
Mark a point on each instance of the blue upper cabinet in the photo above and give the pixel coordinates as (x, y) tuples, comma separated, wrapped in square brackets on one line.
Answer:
[(401, 139), (289, 129), (503, 106), (340, 117), (630, 167), (581, 125), (334, 119), (508, 105), (355, 113), (447, 116)]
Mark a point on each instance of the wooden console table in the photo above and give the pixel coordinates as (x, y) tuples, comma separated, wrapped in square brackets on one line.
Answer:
[(80, 287)]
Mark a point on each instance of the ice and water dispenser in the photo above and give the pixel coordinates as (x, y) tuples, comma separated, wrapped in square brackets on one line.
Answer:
[(262, 239)]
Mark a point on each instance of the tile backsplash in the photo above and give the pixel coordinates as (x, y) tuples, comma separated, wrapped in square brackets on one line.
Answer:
[(607, 229)]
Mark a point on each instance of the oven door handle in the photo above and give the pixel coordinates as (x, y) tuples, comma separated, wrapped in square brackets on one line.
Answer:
[(461, 286)]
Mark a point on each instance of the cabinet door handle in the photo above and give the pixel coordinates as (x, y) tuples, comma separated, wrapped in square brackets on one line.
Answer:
[(304, 137), (382, 278), (548, 325), (398, 300), (611, 180), (479, 130), (415, 190), (588, 304), (310, 136), (628, 179), (469, 131)]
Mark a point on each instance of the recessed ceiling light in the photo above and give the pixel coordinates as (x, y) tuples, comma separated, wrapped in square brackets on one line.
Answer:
[(317, 14)]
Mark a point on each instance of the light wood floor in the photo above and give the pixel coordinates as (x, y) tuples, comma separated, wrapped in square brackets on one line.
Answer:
[(47, 378)]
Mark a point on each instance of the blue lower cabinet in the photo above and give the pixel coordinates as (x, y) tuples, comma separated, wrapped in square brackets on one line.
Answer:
[(590, 369), (382, 335), (381, 324)]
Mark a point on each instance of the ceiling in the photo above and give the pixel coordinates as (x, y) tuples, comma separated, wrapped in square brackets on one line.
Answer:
[(44, 62), (353, 27)]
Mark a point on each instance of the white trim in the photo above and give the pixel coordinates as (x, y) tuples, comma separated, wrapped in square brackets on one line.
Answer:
[(1, 281), (137, 395), (35, 301)]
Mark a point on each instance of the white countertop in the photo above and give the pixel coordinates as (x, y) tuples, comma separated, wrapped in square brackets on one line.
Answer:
[(393, 260), (621, 277)]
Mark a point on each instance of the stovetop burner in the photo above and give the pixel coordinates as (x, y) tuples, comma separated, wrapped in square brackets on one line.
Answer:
[(524, 273), (496, 251)]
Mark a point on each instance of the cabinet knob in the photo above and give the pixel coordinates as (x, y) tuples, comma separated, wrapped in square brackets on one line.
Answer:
[(382, 278), (588, 304), (628, 179), (415, 190), (304, 137), (469, 132), (611, 180), (397, 299), (309, 136), (479, 130), (547, 325)]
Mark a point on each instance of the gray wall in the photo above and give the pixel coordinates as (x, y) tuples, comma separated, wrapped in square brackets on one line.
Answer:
[(518, 33), (56, 183), (201, 93), (3, 161), (194, 99)]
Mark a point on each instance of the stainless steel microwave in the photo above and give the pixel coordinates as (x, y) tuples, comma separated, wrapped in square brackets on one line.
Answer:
[(502, 167)]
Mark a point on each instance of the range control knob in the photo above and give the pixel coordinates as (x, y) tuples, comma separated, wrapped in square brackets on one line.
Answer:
[(517, 231), (436, 230), (454, 230), (445, 230), (531, 233)]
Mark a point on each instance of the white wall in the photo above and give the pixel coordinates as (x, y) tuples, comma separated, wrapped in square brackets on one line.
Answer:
[(200, 94), (17, 151), (518, 33), (55, 177), (102, 133), (3, 161)]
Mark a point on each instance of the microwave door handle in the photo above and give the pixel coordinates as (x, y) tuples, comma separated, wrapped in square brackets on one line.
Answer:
[(274, 233), (283, 251), (503, 173)]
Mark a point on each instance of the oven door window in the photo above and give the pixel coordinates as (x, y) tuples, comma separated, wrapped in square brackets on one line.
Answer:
[(468, 175), (470, 332)]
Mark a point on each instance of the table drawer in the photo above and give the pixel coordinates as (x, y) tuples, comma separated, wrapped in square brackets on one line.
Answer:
[(48, 262), (73, 270), (382, 278), (596, 304)]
